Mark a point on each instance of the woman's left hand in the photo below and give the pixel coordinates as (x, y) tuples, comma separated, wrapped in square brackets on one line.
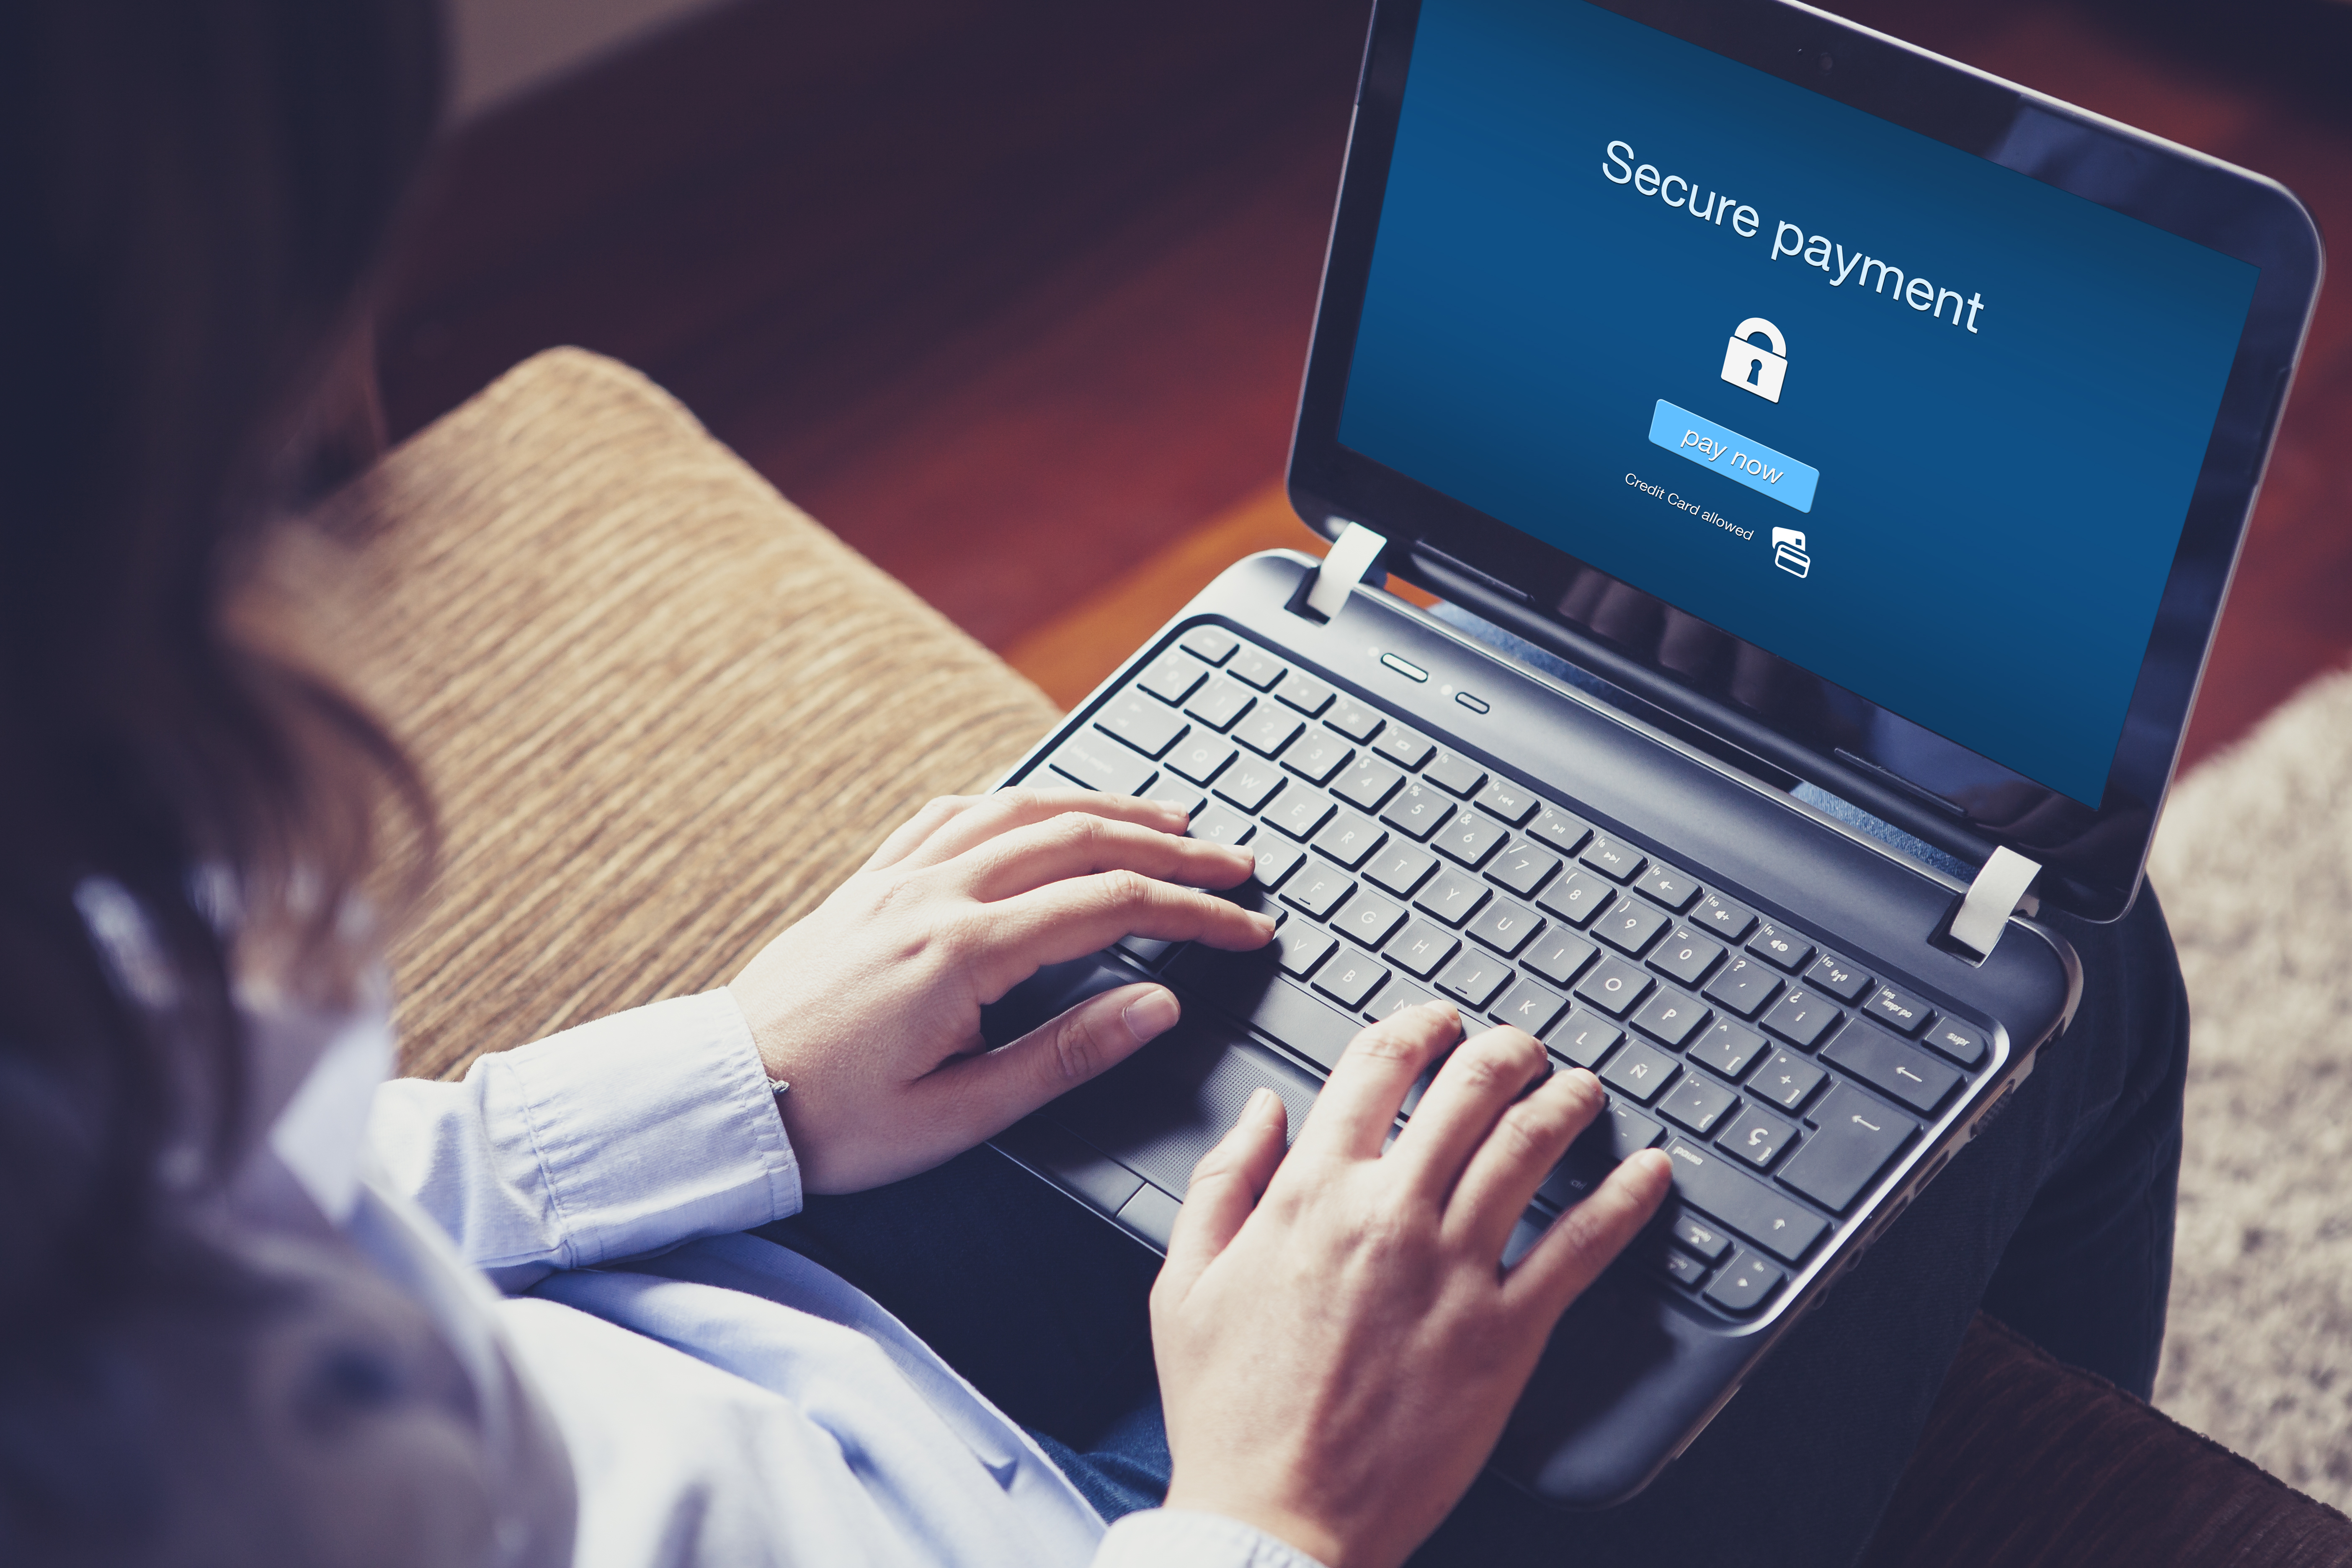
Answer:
[(869, 1007)]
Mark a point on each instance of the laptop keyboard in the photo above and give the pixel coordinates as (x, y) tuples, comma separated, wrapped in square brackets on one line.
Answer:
[(1779, 1077)]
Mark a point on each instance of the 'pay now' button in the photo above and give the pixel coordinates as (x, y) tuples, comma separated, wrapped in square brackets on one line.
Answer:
[(1734, 456)]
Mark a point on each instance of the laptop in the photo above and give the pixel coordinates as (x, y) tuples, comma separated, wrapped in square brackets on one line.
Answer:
[(1832, 461)]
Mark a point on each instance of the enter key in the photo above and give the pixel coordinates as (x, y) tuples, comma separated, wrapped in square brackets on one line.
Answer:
[(1858, 1136)]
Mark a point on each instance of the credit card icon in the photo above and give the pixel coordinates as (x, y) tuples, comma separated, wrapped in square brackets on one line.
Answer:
[(1789, 552)]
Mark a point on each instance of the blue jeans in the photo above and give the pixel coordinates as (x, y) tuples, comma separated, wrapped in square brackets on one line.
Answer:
[(2058, 1221)]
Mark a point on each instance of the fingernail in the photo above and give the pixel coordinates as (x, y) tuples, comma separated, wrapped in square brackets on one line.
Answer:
[(1262, 1101), (1151, 1014)]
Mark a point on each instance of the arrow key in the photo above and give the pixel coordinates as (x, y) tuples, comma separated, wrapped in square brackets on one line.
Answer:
[(1678, 1267), (1699, 1237), (1746, 1285), (1709, 1181)]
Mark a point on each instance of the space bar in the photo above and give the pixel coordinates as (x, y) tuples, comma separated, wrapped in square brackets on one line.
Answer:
[(1244, 987)]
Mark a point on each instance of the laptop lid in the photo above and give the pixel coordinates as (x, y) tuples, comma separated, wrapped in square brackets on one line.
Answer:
[(1889, 423)]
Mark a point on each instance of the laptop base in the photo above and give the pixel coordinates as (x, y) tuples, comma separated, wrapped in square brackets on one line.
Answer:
[(1758, 1232)]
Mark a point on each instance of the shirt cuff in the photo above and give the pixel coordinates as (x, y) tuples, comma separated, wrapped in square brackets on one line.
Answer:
[(1176, 1538), (651, 1127)]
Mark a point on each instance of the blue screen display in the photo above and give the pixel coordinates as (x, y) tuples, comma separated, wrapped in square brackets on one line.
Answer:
[(1920, 424)]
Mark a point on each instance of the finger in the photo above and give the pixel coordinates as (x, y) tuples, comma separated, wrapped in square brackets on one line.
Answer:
[(1226, 1186), (1527, 1141), (1588, 1238), (977, 1097), (1017, 936), (1472, 1091), (935, 815), (1359, 1102), (1009, 808), (1079, 842)]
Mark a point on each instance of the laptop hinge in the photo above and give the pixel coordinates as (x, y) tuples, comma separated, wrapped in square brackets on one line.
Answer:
[(1352, 554), (1983, 912)]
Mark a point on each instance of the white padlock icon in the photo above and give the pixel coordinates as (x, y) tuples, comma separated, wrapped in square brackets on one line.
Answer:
[(1752, 369)]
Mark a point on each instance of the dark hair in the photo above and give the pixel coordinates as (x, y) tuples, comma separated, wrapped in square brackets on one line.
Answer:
[(194, 196)]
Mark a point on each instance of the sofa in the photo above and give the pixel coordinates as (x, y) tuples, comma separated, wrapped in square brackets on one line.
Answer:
[(663, 713)]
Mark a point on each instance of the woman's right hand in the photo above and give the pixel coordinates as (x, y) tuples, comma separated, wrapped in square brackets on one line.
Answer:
[(1339, 1346)]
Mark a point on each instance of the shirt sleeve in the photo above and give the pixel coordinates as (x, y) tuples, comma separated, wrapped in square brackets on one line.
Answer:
[(1174, 1538), (624, 1136)]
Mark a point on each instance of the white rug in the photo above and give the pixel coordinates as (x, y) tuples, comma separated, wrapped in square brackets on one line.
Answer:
[(2254, 863)]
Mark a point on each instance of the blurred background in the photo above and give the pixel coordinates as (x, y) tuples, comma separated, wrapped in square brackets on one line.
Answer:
[(1014, 295)]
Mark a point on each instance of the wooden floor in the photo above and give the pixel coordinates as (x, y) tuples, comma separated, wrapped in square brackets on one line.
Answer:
[(1010, 294), (1015, 295)]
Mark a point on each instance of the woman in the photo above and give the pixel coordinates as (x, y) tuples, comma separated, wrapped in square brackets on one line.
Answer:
[(233, 1327)]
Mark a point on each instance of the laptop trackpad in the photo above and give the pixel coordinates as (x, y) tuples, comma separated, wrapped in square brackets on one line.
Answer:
[(1164, 1107)]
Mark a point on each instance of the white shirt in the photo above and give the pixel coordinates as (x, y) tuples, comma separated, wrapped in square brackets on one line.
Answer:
[(721, 1400)]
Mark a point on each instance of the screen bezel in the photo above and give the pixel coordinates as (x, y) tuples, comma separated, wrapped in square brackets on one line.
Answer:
[(2092, 859)]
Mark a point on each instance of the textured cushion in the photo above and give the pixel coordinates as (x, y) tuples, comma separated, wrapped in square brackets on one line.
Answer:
[(2028, 1463), (663, 711)]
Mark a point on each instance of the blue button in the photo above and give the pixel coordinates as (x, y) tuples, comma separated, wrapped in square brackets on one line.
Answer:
[(1734, 456)]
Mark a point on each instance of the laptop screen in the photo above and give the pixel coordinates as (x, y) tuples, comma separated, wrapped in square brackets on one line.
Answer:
[(1924, 426)]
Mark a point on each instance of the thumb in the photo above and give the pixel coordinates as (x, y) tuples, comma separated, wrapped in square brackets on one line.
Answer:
[(992, 1092), (1226, 1186)]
